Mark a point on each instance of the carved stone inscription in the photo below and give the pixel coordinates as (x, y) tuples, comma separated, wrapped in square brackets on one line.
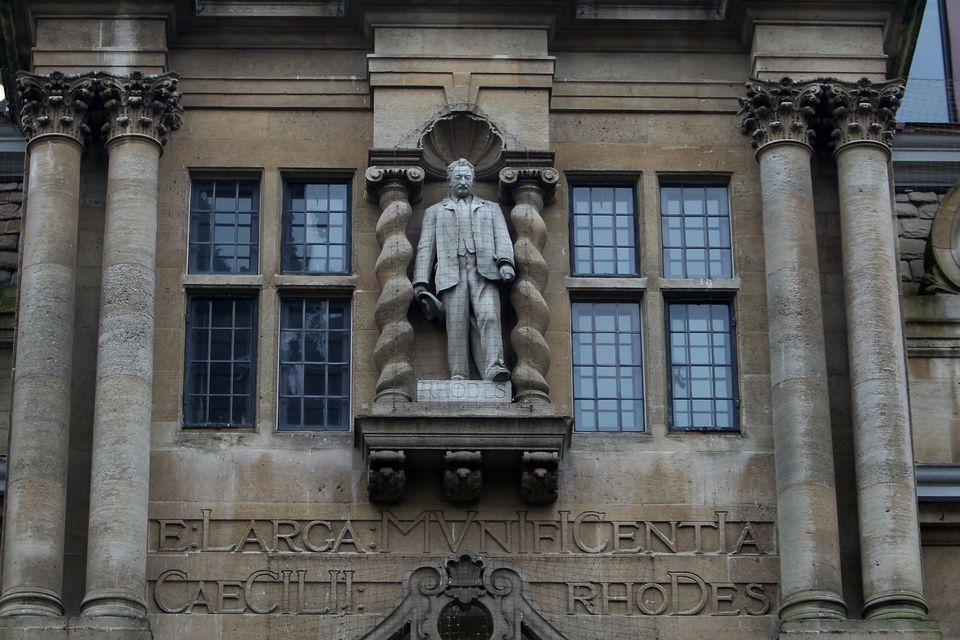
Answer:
[(583, 563), (462, 391)]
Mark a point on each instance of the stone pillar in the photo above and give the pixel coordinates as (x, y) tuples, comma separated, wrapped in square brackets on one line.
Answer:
[(863, 117), (776, 116), (143, 110), (530, 188), (54, 108), (394, 188)]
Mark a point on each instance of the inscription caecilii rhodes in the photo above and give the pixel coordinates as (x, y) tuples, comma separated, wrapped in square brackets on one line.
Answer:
[(586, 562)]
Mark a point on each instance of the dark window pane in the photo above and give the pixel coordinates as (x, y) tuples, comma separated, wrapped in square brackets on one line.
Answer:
[(217, 240), (702, 379), (695, 232), (314, 395), (316, 241), (603, 231), (608, 366), (220, 350)]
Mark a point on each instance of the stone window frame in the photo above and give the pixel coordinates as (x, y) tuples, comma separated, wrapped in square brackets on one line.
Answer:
[(348, 306), (270, 284), (696, 290), (347, 243)]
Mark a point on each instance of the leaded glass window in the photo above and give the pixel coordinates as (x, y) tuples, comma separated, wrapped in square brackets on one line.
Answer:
[(702, 370), (314, 378), (695, 232), (220, 362), (604, 231), (607, 366), (316, 226), (224, 226)]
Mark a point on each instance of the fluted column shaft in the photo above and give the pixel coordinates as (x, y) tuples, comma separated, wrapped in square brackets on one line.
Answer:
[(394, 188), (529, 188), (145, 109), (40, 419), (886, 489), (809, 541)]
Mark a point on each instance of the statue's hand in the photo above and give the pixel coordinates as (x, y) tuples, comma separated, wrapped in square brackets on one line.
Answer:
[(419, 290), (507, 274)]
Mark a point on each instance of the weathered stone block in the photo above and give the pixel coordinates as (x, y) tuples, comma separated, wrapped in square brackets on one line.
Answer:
[(906, 210), (914, 227), (928, 211), (912, 249), (463, 391), (923, 197)]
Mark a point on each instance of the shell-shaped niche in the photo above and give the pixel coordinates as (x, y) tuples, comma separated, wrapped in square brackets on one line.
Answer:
[(462, 134)]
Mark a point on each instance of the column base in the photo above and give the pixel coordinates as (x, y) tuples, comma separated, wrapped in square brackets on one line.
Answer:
[(897, 605), (78, 628), (31, 602), (120, 603), (813, 605), (861, 630)]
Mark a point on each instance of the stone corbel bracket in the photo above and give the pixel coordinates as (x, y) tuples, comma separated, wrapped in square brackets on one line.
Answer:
[(530, 189), (540, 477), (462, 476), (386, 476), (394, 188)]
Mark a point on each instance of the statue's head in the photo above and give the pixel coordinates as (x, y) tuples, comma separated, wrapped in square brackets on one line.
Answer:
[(460, 175)]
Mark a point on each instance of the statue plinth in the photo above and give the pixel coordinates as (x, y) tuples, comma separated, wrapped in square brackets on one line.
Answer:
[(470, 391)]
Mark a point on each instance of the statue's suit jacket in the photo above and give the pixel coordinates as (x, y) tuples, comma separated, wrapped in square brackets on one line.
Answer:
[(438, 241)]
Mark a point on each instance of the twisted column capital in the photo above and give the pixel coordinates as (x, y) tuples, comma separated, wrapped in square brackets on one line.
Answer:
[(863, 111), (140, 105), (542, 178), (379, 177), (55, 104), (781, 111)]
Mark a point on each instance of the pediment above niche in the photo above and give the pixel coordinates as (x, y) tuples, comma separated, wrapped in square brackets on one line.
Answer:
[(942, 257), (462, 133)]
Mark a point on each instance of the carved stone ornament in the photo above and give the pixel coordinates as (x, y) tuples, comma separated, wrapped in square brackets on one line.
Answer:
[(863, 111), (386, 477), (779, 111), (141, 105), (462, 133), (462, 476), (55, 104), (465, 592), (941, 261), (539, 477)]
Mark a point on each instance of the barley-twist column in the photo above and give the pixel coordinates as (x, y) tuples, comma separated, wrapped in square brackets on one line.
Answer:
[(53, 114), (863, 118), (142, 111), (530, 188), (394, 188), (777, 117)]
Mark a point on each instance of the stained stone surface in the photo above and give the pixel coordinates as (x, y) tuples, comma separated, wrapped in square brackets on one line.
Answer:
[(463, 391)]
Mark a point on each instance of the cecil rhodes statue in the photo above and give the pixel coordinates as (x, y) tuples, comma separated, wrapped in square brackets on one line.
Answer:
[(465, 243)]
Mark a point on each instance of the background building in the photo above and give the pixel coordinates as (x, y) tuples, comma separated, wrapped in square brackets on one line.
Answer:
[(228, 421)]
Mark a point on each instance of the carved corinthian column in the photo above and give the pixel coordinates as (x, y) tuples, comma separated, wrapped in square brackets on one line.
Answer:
[(863, 115), (54, 109), (395, 188), (530, 188), (776, 117), (142, 111)]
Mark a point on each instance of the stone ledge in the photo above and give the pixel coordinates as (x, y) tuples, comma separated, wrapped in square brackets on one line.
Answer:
[(862, 630), (74, 628), (462, 426)]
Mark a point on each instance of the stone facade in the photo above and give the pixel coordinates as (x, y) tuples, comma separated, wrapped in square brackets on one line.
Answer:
[(229, 422)]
